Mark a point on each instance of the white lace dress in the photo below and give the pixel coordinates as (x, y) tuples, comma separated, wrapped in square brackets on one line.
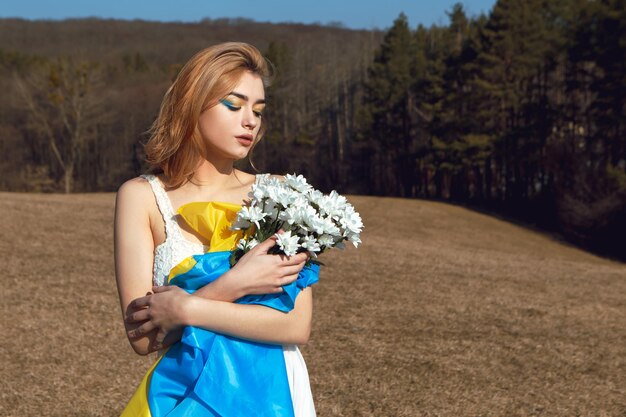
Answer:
[(175, 249)]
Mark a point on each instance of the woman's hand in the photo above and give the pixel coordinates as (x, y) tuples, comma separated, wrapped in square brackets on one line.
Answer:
[(258, 272), (164, 310)]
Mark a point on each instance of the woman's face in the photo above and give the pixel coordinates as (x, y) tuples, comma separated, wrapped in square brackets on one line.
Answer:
[(229, 128)]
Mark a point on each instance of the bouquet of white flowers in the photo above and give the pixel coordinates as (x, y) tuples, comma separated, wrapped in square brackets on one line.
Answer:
[(311, 221)]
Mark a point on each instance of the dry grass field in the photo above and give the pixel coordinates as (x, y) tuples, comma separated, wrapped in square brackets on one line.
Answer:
[(441, 312)]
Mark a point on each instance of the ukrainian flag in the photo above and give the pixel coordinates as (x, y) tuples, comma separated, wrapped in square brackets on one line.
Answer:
[(211, 374)]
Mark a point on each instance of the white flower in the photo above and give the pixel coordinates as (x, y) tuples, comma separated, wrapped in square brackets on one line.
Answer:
[(326, 240), (297, 182), (333, 204), (291, 215), (245, 245), (286, 197), (330, 228), (301, 201), (288, 243), (251, 214), (355, 239), (258, 192), (314, 222), (310, 219), (272, 182), (310, 243), (262, 178), (351, 221), (315, 196)]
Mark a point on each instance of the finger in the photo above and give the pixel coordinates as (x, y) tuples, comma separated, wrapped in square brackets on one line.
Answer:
[(140, 302), (158, 340), (289, 272), (278, 290), (266, 245), (141, 330), (160, 337), (289, 279), (138, 316), (300, 258)]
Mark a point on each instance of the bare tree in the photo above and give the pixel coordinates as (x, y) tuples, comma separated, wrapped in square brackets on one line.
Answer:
[(63, 102)]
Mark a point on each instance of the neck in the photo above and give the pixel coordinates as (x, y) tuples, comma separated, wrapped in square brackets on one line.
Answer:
[(210, 175)]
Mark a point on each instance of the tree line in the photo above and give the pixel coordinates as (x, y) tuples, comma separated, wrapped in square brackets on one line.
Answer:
[(79, 95), (521, 111)]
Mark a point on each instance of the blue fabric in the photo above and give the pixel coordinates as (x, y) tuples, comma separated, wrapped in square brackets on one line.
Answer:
[(211, 374)]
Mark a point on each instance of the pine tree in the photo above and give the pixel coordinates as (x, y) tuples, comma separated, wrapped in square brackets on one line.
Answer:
[(388, 110), (513, 53), (591, 149)]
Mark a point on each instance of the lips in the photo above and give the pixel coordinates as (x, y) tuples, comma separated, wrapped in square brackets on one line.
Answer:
[(245, 140)]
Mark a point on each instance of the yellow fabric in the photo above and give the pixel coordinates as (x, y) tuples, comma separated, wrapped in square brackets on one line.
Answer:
[(212, 221), (184, 266), (138, 405)]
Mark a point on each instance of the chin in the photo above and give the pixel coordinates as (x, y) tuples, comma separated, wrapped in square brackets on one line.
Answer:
[(243, 154), (235, 155)]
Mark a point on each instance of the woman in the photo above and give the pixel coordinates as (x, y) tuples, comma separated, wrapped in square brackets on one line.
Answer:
[(210, 117)]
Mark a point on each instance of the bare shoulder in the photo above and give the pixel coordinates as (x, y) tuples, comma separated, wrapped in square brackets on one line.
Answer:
[(134, 185), (135, 192)]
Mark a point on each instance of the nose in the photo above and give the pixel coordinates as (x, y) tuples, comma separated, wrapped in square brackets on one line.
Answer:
[(249, 119)]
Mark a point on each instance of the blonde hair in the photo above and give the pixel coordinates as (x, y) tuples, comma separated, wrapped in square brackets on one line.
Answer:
[(175, 145)]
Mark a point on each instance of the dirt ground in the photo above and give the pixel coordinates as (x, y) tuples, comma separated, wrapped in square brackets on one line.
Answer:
[(441, 312)]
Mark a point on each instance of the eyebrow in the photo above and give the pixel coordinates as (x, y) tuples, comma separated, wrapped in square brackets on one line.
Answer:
[(244, 97)]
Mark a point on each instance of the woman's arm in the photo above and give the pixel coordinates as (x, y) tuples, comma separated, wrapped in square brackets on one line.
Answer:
[(171, 307), (254, 322), (134, 247), (255, 273)]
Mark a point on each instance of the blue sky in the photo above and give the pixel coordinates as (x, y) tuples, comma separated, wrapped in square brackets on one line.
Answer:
[(364, 14)]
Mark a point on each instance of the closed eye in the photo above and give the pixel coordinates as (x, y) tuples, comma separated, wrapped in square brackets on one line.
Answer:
[(229, 105)]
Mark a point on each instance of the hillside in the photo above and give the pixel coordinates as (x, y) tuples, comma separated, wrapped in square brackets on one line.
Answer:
[(160, 42), (442, 311)]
